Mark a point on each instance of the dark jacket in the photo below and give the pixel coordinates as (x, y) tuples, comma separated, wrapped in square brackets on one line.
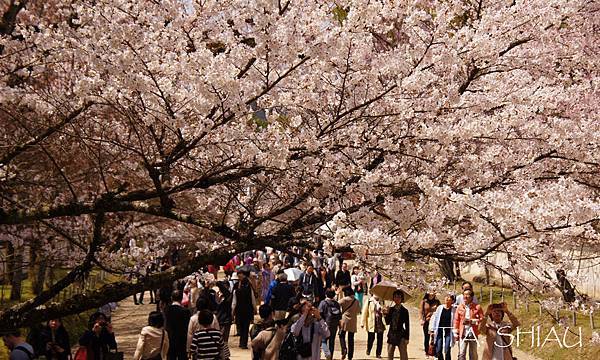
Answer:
[(322, 287), (61, 339), (98, 344), (281, 295), (243, 306), (342, 278), (378, 277), (177, 319), (224, 311), (309, 283), (399, 326)]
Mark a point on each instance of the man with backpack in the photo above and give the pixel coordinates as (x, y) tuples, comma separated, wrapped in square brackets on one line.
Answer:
[(308, 282), (330, 311), (268, 342), (280, 296), (19, 349), (265, 322)]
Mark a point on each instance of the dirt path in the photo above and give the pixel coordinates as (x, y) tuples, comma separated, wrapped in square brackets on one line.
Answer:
[(129, 319)]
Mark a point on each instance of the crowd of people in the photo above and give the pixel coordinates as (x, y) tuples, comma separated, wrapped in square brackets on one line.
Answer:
[(303, 302), (310, 305)]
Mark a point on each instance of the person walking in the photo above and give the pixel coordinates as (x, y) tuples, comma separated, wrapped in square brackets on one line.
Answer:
[(280, 296), (466, 326), (375, 279), (243, 308), (267, 278), (194, 292), (426, 309), (266, 321), (311, 328), (343, 278), (372, 320), (207, 343), (330, 311), (349, 323), (55, 340), (177, 319), (496, 332), (224, 300), (268, 342), (358, 285), (194, 324), (440, 328), (309, 283), (19, 348), (466, 286), (99, 339), (324, 282), (399, 326), (153, 343)]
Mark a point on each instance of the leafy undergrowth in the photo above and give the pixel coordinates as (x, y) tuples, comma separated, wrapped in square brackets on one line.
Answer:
[(75, 324)]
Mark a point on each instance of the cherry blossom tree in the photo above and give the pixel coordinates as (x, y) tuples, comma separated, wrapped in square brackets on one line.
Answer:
[(406, 130)]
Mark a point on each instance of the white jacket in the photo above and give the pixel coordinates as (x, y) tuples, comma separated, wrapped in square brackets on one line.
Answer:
[(434, 322), (149, 343)]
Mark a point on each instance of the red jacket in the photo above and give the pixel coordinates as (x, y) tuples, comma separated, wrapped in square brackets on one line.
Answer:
[(476, 315), (230, 266)]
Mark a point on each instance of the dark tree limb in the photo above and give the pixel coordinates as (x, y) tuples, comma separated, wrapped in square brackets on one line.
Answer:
[(6, 158)]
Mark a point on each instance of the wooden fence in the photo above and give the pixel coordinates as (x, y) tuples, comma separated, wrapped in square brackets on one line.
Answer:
[(489, 295)]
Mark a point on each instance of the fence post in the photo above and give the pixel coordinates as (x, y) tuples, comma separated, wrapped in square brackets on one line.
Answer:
[(454, 286), (514, 300), (539, 303), (527, 303), (592, 320), (491, 296), (502, 295), (557, 315), (574, 317)]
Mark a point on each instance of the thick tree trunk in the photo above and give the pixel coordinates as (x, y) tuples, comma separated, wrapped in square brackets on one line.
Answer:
[(40, 278), (564, 285), (5, 265), (17, 275), (447, 269), (10, 261), (457, 269)]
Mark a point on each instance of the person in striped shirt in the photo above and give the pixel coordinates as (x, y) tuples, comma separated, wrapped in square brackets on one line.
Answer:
[(207, 343)]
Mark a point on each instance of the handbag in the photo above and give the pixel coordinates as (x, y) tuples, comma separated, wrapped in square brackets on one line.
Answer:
[(117, 355), (81, 353), (159, 355), (431, 349), (304, 349)]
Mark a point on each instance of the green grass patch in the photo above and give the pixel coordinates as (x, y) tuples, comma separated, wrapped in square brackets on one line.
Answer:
[(75, 324), (551, 349)]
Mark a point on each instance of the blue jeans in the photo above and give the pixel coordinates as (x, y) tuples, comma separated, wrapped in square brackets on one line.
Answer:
[(328, 344), (443, 344)]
